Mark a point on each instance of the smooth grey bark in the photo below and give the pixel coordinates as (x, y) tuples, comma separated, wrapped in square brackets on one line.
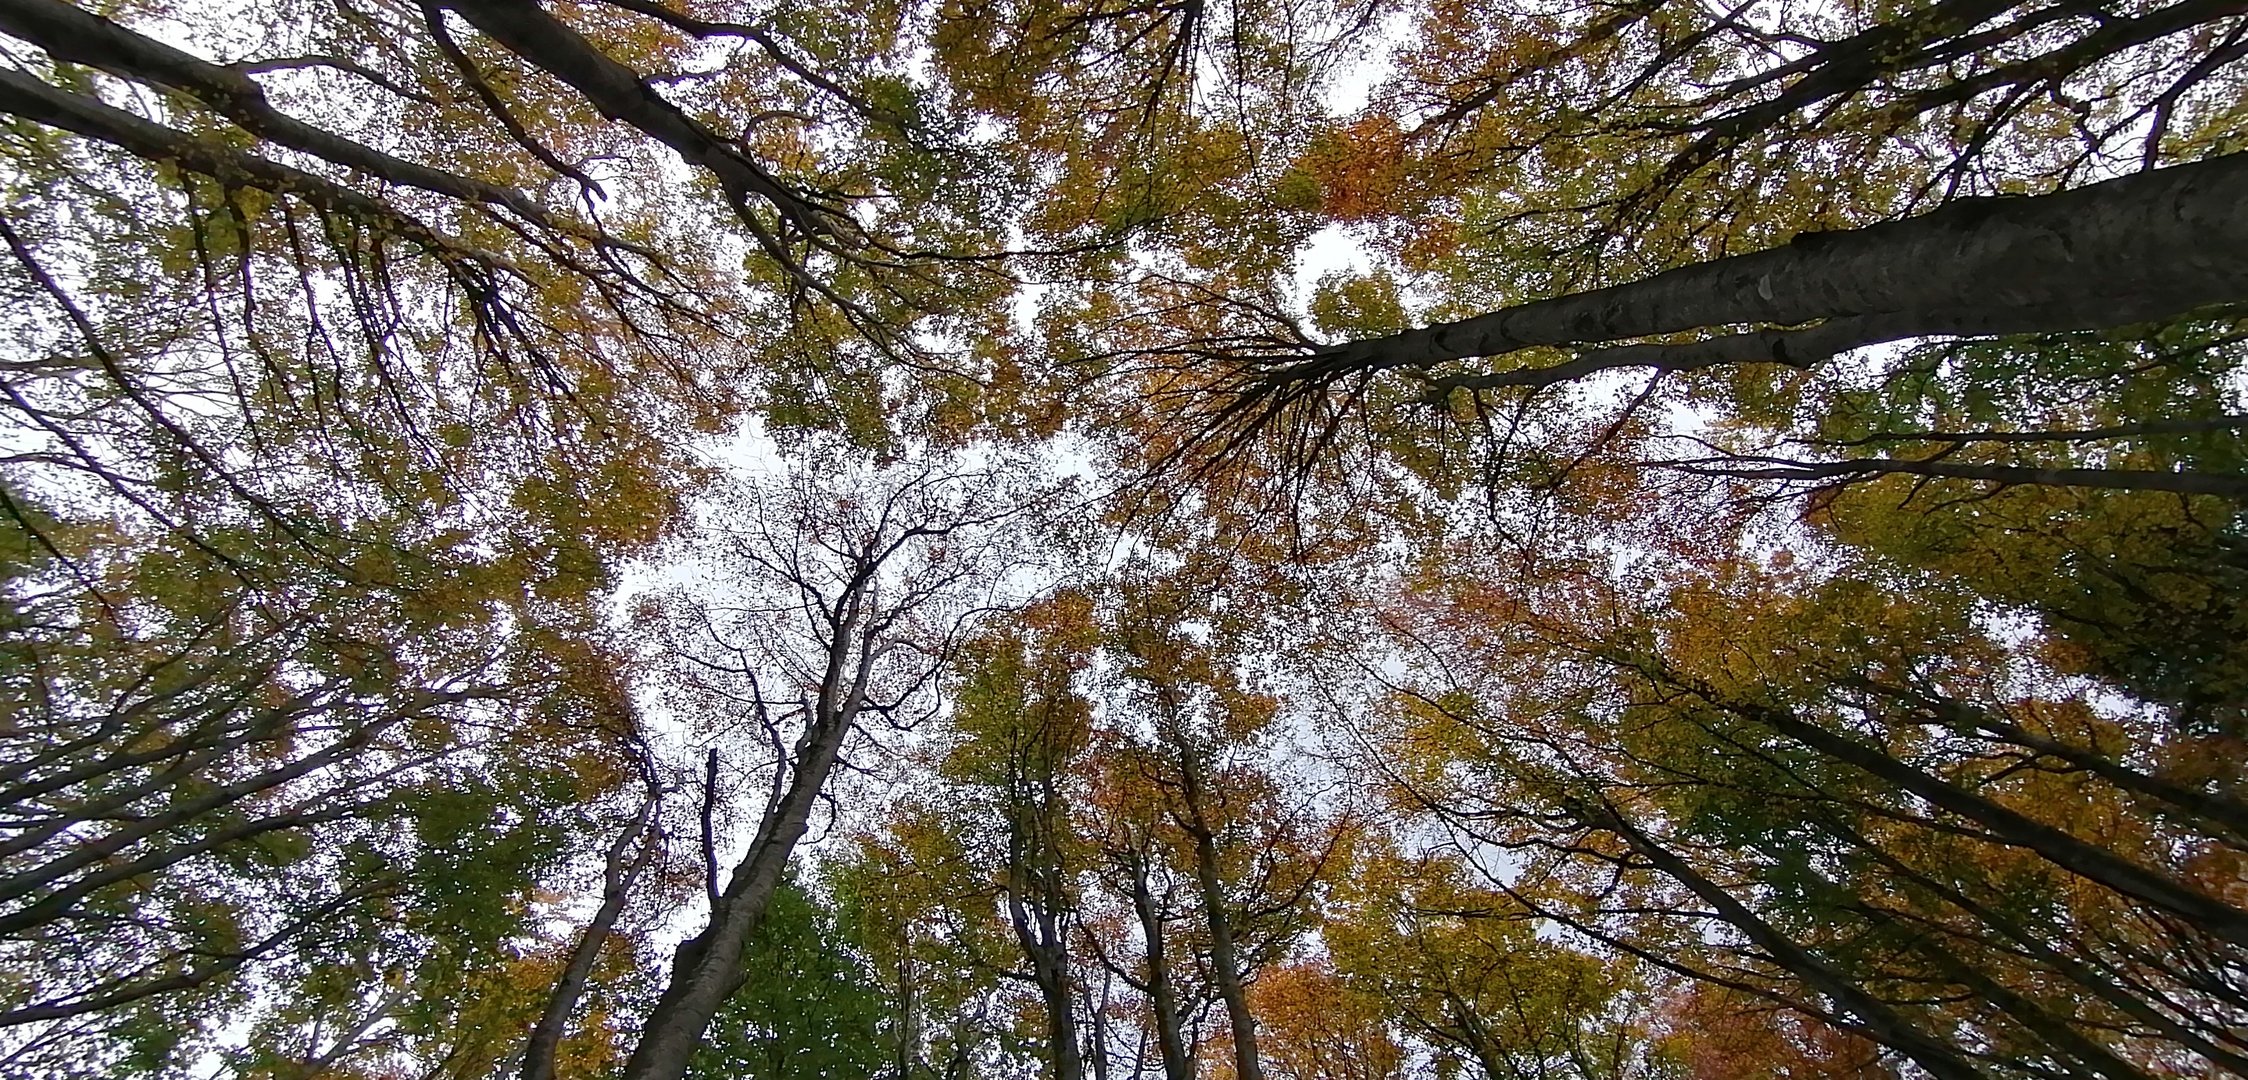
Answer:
[(527, 30), (2150, 245), (35, 100), (1039, 932)]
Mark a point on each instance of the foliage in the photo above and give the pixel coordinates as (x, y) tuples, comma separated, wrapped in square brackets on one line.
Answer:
[(727, 539)]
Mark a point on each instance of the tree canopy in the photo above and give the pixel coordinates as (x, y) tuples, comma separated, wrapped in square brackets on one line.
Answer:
[(1258, 540)]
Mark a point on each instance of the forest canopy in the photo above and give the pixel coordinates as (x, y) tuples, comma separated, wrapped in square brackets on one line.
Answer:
[(1083, 539)]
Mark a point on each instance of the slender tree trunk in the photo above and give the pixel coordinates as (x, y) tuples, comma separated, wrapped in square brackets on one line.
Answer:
[(1037, 902), (2015, 936), (2058, 1032), (1225, 963), (2007, 826), (707, 968), (1170, 1042), (1879, 1022), (546, 1035), (909, 1004), (1096, 1021), (2212, 807)]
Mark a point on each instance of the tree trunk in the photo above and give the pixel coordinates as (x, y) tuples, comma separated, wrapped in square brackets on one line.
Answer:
[(707, 968), (1160, 995), (2015, 936), (1039, 934), (1038, 900), (1225, 964), (2146, 246), (1879, 1022), (1858, 469), (2057, 1031), (546, 1035)]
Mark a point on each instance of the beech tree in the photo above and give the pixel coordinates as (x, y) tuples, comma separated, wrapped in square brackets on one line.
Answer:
[(1024, 729), (867, 611), (1603, 539), (2143, 248)]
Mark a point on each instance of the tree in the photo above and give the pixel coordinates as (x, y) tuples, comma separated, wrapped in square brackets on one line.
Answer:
[(209, 777), (2157, 243), (938, 945), (1254, 859), (1464, 971), (1023, 729), (863, 614), (1315, 1028), (1779, 773), (1740, 575)]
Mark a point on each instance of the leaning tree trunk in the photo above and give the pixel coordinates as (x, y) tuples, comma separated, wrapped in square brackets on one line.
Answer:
[(1038, 930), (707, 968), (1225, 960), (2142, 247), (617, 879)]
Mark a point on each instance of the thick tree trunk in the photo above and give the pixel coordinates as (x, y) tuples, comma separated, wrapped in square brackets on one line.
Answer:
[(706, 969), (1857, 469), (619, 92), (2141, 247), (68, 32)]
